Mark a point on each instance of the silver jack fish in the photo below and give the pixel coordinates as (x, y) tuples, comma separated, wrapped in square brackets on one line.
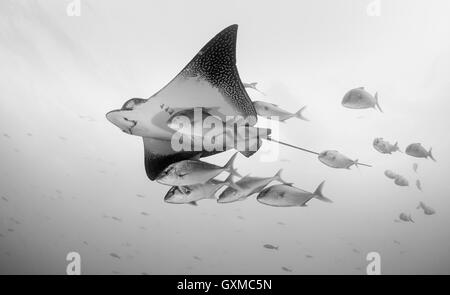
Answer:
[(199, 126), (189, 172), (401, 181), (418, 151), (187, 121), (390, 174), (270, 247), (359, 98), (335, 159), (273, 111), (248, 185), (426, 209), (282, 195), (405, 217), (193, 193), (384, 146)]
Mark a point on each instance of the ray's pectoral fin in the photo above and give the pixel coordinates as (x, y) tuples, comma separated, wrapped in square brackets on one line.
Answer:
[(211, 80)]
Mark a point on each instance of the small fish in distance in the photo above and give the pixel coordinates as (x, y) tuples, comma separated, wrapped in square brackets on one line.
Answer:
[(415, 167), (270, 247), (418, 151), (248, 185), (401, 181), (286, 269), (384, 146), (390, 174), (427, 210), (253, 86), (273, 111), (334, 159), (359, 98), (282, 195), (405, 217), (188, 172)]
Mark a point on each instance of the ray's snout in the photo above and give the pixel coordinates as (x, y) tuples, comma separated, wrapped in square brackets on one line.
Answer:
[(119, 119)]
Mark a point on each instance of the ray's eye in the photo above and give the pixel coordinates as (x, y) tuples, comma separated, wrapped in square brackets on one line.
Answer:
[(130, 104), (167, 171)]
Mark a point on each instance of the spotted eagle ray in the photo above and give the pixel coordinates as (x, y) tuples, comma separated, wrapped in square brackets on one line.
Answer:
[(210, 80)]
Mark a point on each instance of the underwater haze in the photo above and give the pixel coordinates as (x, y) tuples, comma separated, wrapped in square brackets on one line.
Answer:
[(70, 181)]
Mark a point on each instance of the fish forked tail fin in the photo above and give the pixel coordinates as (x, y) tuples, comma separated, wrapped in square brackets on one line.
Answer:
[(229, 166), (299, 114), (376, 102), (319, 195), (397, 148), (431, 155), (357, 164), (278, 177), (410, 218), (420, 205)]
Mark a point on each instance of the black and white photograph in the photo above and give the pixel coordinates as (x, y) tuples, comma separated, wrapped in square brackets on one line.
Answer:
[(208, 137)]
